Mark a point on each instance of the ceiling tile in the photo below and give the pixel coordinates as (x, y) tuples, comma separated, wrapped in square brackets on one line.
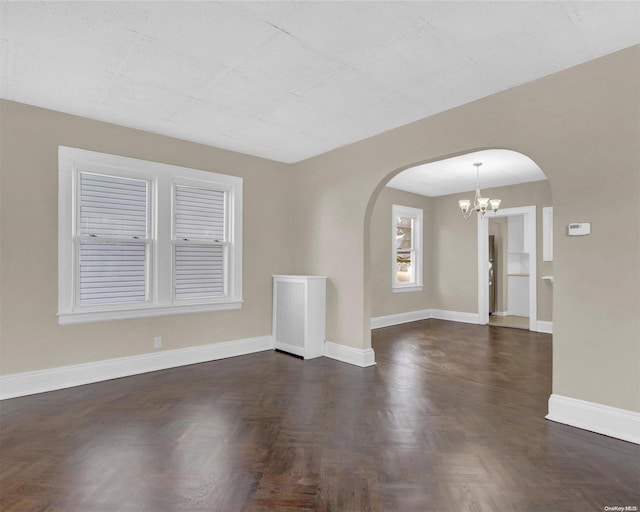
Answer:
[(76, 40), (478, 28), (347, 31), (270, 141), (238, 94), (590, 19), (394, 111), (525, 60), (138, 101), (34, 69), (271, 11), (129, 14), (211, 31), (346, 92), (6, 65), (288, 116), (211, 119), (453, 88), (152, 62), (284, 63), (53, 96), (411, 61)]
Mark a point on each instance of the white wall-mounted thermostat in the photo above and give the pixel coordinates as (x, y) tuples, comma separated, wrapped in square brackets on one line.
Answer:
[(579, 228)]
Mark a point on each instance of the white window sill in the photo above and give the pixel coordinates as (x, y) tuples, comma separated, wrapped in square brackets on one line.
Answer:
[(413, 288), (123, 314)]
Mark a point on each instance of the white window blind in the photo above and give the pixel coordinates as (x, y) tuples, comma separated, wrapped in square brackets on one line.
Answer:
[(200, 243), (138, 238), (112, 273), (113, 233), (113, 206), (199, 213)]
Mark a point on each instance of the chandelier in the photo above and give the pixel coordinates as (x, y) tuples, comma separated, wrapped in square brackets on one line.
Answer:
[(480, 204)]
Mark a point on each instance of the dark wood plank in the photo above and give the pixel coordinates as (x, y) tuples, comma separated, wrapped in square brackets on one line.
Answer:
[(450, 419)]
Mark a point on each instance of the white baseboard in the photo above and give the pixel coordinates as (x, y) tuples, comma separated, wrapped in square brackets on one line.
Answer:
[(423, 314), (400, 318), (355, 356), (28, 383), (544, 326), (442, 314), (455, 316), (602, 419)]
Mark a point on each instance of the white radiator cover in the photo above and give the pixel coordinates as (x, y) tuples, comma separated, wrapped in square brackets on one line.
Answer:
[(299, 314)]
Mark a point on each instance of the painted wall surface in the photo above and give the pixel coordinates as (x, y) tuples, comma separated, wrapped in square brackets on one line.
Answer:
[(31, 338), (582, 127), (383, 300)]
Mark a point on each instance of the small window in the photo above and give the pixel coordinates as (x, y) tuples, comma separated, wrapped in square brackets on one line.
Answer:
[(406, 248), (139, 238)]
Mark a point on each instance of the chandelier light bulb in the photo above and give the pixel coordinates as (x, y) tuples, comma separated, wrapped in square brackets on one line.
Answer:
[(480, 204)]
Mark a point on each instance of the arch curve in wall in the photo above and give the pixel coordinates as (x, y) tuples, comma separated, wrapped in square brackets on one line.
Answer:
[(522, 169)]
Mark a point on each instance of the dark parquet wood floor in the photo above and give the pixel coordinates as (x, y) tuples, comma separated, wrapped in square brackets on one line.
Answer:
[(450, 420)]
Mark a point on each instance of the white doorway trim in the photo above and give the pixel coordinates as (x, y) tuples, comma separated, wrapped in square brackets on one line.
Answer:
[(529, 213)]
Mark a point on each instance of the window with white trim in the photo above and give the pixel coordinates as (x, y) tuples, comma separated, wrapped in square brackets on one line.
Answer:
[(406, 242), (139, 238)]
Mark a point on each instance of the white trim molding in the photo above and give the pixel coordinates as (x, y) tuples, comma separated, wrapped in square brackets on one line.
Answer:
[(29, 383), (400, 318), (415, 275), (456, 316), (547, 233), (443, 314), (529, 213), (544, 326), (355, 356), (602, 419), (424, 314)]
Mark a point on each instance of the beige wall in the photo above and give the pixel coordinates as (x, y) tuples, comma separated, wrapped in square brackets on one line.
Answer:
[(582, 127), (450, 251), (31, 338)]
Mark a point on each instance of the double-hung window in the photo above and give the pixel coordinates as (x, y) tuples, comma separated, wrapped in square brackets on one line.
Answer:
[(406, 243), (139, 238), (200, 247), (112, 243)]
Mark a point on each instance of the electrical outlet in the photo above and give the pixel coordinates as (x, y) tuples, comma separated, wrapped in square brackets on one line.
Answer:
[(157, 342)]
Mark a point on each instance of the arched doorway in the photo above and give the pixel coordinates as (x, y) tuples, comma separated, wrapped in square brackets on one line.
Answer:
[(455, 283)]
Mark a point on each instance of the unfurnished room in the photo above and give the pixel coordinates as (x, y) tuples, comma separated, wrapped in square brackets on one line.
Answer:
[(332, 256)]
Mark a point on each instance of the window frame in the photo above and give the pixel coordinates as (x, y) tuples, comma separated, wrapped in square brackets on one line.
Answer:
[(162, 179), (78, 237), (416, 215), (227, 247)]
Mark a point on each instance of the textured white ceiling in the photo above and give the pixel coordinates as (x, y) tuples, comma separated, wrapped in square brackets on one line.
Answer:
[(290, 80), (500, 168)]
